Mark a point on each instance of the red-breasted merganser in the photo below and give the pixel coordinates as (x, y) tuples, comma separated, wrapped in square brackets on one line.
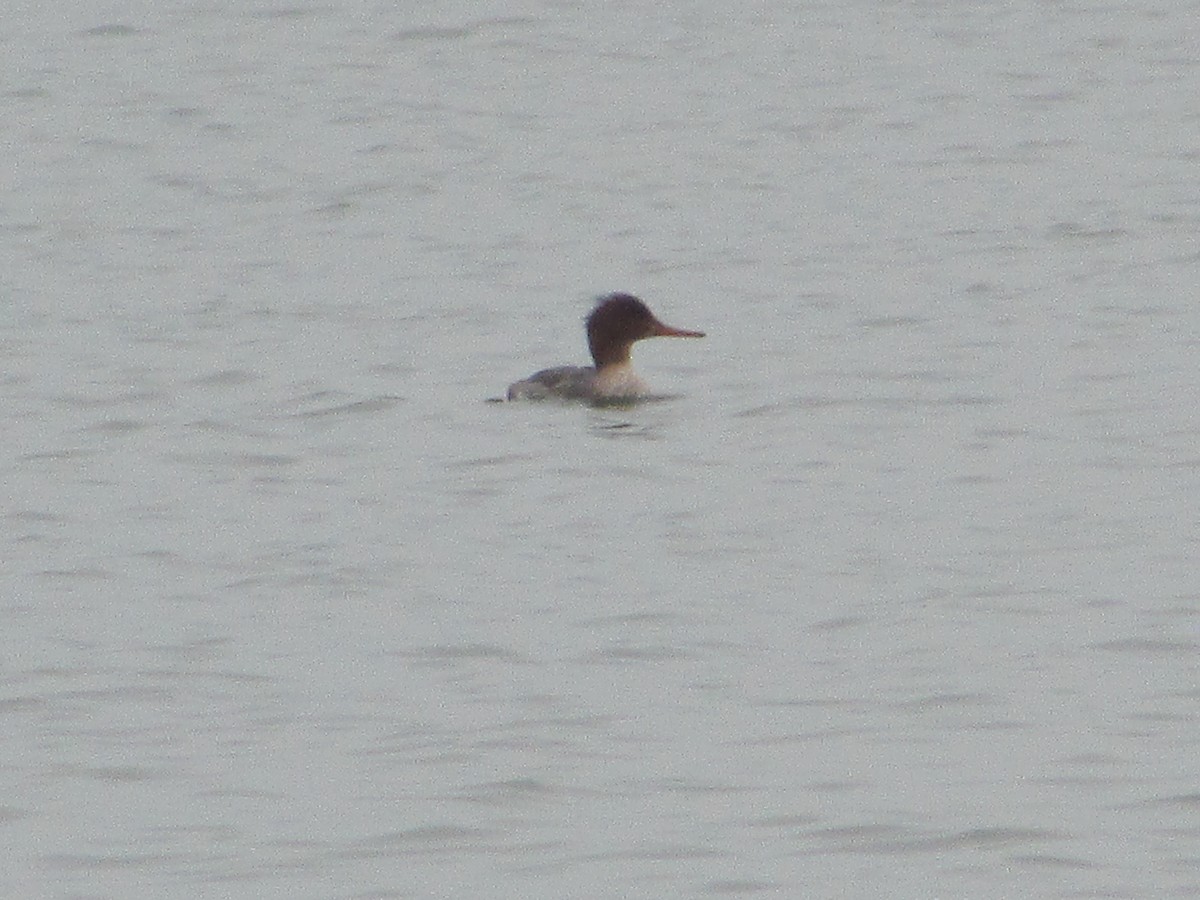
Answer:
[(617, 321)]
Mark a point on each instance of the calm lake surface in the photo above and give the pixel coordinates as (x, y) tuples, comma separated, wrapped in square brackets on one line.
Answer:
[(897, 595)]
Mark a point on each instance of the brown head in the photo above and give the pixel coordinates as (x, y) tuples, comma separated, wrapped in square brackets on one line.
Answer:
[(617, 321)]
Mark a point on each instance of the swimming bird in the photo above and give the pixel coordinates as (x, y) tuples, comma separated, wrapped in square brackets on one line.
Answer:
[(612, 327)]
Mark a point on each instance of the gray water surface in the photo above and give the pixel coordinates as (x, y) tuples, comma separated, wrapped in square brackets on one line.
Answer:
[(896, 597)]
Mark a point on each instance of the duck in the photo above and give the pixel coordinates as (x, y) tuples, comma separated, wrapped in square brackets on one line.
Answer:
[(613, 326)]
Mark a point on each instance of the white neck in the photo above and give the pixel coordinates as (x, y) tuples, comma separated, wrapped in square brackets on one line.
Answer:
[(618, 380)]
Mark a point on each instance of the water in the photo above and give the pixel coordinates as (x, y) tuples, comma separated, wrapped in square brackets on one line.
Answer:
[(896, 598)]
